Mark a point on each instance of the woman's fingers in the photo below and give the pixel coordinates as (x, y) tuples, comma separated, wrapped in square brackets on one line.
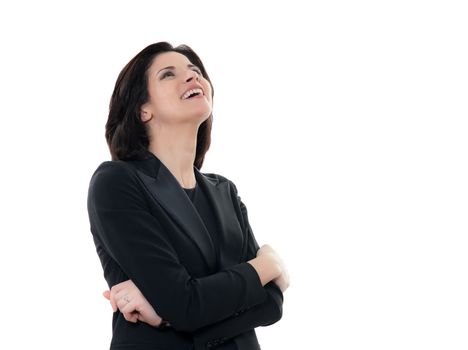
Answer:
[(112, 298), (128, 299), (133, 313), (123, 297), (264, 249), (131, 317), (107, 295), (283, 280), (116, 289), (124, 301), (129, 310)]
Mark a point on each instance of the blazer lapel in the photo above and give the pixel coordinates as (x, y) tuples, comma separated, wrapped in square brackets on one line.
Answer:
[(230, 230), (167, 191)]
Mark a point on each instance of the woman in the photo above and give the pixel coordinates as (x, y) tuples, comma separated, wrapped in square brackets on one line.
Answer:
[(176, 247)]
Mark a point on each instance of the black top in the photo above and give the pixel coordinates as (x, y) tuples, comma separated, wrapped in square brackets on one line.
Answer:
[(203, 207)]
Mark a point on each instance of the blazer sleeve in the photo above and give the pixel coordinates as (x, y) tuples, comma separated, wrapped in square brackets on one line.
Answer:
[(120, 218), (263, 314)]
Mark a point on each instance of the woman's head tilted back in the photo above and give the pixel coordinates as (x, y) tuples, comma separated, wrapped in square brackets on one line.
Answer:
[(150, 86)]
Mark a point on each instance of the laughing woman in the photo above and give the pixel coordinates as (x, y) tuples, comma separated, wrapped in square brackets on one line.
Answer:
[(176, 247)]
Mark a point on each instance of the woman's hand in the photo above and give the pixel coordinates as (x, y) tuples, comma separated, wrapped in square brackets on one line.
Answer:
[(281, 281), (132, 304)]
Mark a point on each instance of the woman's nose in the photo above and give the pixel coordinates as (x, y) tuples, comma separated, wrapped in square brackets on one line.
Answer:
[(192, 75)]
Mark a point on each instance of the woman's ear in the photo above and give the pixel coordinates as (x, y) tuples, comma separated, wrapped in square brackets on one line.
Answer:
[(145, 115)]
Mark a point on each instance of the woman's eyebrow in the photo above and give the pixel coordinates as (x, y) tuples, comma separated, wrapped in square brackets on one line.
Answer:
[(172, 67)]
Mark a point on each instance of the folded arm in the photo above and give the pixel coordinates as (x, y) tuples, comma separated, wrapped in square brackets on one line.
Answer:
[(263, 314), (135, 239)]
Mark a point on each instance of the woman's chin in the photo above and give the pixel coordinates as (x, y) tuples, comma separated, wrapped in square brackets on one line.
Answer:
[(200, 114)]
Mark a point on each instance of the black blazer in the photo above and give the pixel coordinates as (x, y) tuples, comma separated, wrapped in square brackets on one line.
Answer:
[(145, 228)]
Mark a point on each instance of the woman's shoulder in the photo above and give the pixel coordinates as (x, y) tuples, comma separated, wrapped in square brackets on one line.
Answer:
[(220, 179), (112, 175), (215, 177), (114, 185), (112, 169)]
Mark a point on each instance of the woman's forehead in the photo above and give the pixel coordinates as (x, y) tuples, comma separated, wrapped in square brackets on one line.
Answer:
[(170, 59)]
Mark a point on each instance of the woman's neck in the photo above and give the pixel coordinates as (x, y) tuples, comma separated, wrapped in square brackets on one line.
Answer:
[(176, 149)]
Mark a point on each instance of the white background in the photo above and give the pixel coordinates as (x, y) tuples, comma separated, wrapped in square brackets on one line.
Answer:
[(343, 124)]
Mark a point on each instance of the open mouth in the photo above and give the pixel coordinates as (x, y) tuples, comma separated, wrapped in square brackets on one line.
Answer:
[(193, 93)]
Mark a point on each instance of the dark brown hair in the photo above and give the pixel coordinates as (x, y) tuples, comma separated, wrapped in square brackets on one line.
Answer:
[(126, 134)]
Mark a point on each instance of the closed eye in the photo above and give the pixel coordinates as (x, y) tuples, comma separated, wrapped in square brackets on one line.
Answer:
[(170, 72), (165, 74)]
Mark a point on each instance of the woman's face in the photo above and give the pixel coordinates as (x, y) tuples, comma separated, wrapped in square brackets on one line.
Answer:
[(167, 87)]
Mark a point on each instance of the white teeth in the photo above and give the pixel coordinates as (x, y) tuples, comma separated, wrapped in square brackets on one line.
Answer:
[(188, 93)]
